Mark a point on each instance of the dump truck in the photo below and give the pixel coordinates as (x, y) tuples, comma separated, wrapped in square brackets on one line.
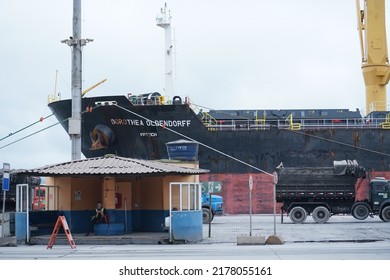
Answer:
[(325, 191)]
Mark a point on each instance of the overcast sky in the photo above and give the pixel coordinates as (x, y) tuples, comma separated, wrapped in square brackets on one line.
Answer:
[(247, 54)]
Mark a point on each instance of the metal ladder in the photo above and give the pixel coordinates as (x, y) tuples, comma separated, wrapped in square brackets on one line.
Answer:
[(61, 221)]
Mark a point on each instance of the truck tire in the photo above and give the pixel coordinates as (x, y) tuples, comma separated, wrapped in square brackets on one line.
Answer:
[(360, 211), (298, 215), (321, 214), (206, 213), (385, 213)]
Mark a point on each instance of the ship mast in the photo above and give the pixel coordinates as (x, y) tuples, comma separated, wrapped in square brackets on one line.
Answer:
[(74, 127), (375, 61), (164, 21)]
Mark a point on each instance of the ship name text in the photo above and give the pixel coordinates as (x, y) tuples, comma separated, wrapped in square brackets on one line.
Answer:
[(162, 123)]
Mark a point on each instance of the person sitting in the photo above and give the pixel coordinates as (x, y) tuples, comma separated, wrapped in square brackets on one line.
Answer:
[(98, 218)]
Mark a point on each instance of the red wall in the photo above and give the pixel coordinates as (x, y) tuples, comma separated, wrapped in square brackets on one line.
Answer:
[(235, 191)]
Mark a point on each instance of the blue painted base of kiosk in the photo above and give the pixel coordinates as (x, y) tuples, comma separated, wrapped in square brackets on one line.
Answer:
[(109, 229), (187, 226), (21, 227)]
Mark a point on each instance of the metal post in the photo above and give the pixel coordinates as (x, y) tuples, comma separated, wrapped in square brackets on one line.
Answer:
[(125, 216), (75, 121), (199, 197), (47, 195), (274, 210), (27, 214), (17, 199), (180, 198), (170, 212), (75, 41), (189, 197), (21, 199), (275, 182), (210, 213), (2, 217), (250, 204)]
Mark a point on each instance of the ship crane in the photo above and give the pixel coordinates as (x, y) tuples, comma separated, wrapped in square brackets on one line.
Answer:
[(375, 61), (92, 87)]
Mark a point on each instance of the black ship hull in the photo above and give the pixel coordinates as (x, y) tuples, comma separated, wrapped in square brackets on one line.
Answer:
[(230, 152), (143, 131)]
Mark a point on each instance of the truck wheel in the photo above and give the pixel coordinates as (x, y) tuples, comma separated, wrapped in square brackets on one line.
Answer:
[(386, 214), (360, 211), (321, 214), (298, 215), (206, 215)]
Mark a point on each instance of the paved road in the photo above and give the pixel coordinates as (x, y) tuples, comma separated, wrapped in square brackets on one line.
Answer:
[(342, 237), (339, 228), (222, 251), (365, 246)]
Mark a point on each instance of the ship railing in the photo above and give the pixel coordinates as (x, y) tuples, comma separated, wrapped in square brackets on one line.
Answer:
[(386, 123), (305, 124), (138, 100)]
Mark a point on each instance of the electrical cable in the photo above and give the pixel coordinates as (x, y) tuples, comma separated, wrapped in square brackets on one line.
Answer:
[(89, 109), (29, 135), (30, 125)]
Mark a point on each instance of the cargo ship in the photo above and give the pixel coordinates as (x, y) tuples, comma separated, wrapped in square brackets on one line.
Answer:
[(315, 138), (234, 144)]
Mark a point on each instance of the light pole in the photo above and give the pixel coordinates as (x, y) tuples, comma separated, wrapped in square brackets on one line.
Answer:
[(250, 204)]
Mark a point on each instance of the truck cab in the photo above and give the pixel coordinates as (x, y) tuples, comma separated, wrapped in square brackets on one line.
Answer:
[(379, 196)]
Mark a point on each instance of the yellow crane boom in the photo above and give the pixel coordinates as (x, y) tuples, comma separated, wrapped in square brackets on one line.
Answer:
[(53, 98), (375, 61), (92, 87)]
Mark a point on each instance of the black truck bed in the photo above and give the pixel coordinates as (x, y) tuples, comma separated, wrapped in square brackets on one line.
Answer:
[(318, 183)]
